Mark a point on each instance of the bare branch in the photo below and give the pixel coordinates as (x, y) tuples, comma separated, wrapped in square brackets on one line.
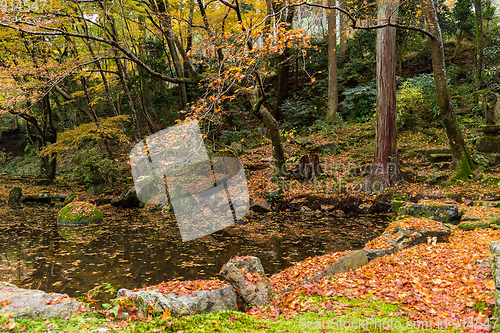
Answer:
[(59, 32)]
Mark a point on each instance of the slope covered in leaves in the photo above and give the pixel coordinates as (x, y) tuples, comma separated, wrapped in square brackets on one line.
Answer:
[(447, 281)]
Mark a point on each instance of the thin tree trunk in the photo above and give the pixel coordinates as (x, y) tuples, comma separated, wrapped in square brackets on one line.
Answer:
[(343, 35), (385, 171), (274, 134), (284, 69), (210, 33), (166, 23), (479, 44), (462, 162), (333, 90), (48, 165)]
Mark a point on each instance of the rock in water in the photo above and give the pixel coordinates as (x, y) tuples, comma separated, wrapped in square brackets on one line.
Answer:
[(79, 212), (248, 278), (15, 195), (79, 221)]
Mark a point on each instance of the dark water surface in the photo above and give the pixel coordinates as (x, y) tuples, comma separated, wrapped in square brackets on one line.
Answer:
[(137, 247)]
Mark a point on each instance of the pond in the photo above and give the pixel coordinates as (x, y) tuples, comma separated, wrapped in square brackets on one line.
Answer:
[(138, 247)]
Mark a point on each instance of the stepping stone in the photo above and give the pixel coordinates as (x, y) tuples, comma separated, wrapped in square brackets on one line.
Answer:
[(438, 158)]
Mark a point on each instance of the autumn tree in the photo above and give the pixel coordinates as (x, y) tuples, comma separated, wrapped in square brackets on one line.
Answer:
[(462, 161), (333, 90), (385, 170)]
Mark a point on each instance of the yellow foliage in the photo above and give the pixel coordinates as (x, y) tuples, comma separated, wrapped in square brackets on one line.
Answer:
[(71, 139)]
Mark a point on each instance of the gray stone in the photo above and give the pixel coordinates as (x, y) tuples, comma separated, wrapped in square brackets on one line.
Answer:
[(373, 254), (348, 263), (330, 148), (269, 159), (429, 152), (441, 213), (259, 291), (495, 270), (497, 110), (488, 144), (15, 195), (411, 237), (481, 160), (28, 303), (203, 301), (261, 207), (437, 158), (95, 189), (491, 130)]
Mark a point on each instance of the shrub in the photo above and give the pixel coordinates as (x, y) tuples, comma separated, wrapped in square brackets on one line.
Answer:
[(359, 102), (228, 137), (417, 101), (88, 159), (298, 114)]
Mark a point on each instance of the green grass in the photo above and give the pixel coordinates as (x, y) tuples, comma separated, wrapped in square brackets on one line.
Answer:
[(372, 315)]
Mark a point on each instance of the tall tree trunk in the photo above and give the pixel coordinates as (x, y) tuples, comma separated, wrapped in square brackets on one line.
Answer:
[(333, 90), (385, 171), (166, 21), (343, 35), (479, 44), (284, 69), (189, 34), (48, 134), (462, 162)]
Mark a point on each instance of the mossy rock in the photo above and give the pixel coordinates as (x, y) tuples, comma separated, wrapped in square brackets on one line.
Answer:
[(396, 205), (78, 213), (473, 226), (441, 213)]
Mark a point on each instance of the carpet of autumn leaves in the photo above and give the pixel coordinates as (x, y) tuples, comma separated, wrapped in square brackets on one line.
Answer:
[(430, 283)]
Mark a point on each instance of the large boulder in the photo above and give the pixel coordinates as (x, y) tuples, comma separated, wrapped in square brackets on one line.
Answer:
[(203, 301), (330, 148), (348, 263), (488, 144), (15, 195), (446, 213), (79, 213), (249, 280), (79, 221), (36, 303), (495, 270)]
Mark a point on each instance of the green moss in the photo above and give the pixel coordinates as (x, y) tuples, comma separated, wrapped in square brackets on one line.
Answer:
[(400, 197), (396, 205), (472, 226), (79, 212), (69, 198)]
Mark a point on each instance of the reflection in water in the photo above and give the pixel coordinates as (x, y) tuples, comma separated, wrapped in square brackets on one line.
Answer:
[(137, 248)]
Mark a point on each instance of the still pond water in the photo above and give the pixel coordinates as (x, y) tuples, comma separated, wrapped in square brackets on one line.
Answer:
[(137, 247)]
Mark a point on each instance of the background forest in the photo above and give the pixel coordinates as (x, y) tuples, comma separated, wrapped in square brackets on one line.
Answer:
[(83, 81)]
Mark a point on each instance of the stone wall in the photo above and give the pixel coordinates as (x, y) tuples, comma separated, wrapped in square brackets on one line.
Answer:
[(495, 268)]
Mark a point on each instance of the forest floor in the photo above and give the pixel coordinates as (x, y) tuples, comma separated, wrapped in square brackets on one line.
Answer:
[(443, 286)]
